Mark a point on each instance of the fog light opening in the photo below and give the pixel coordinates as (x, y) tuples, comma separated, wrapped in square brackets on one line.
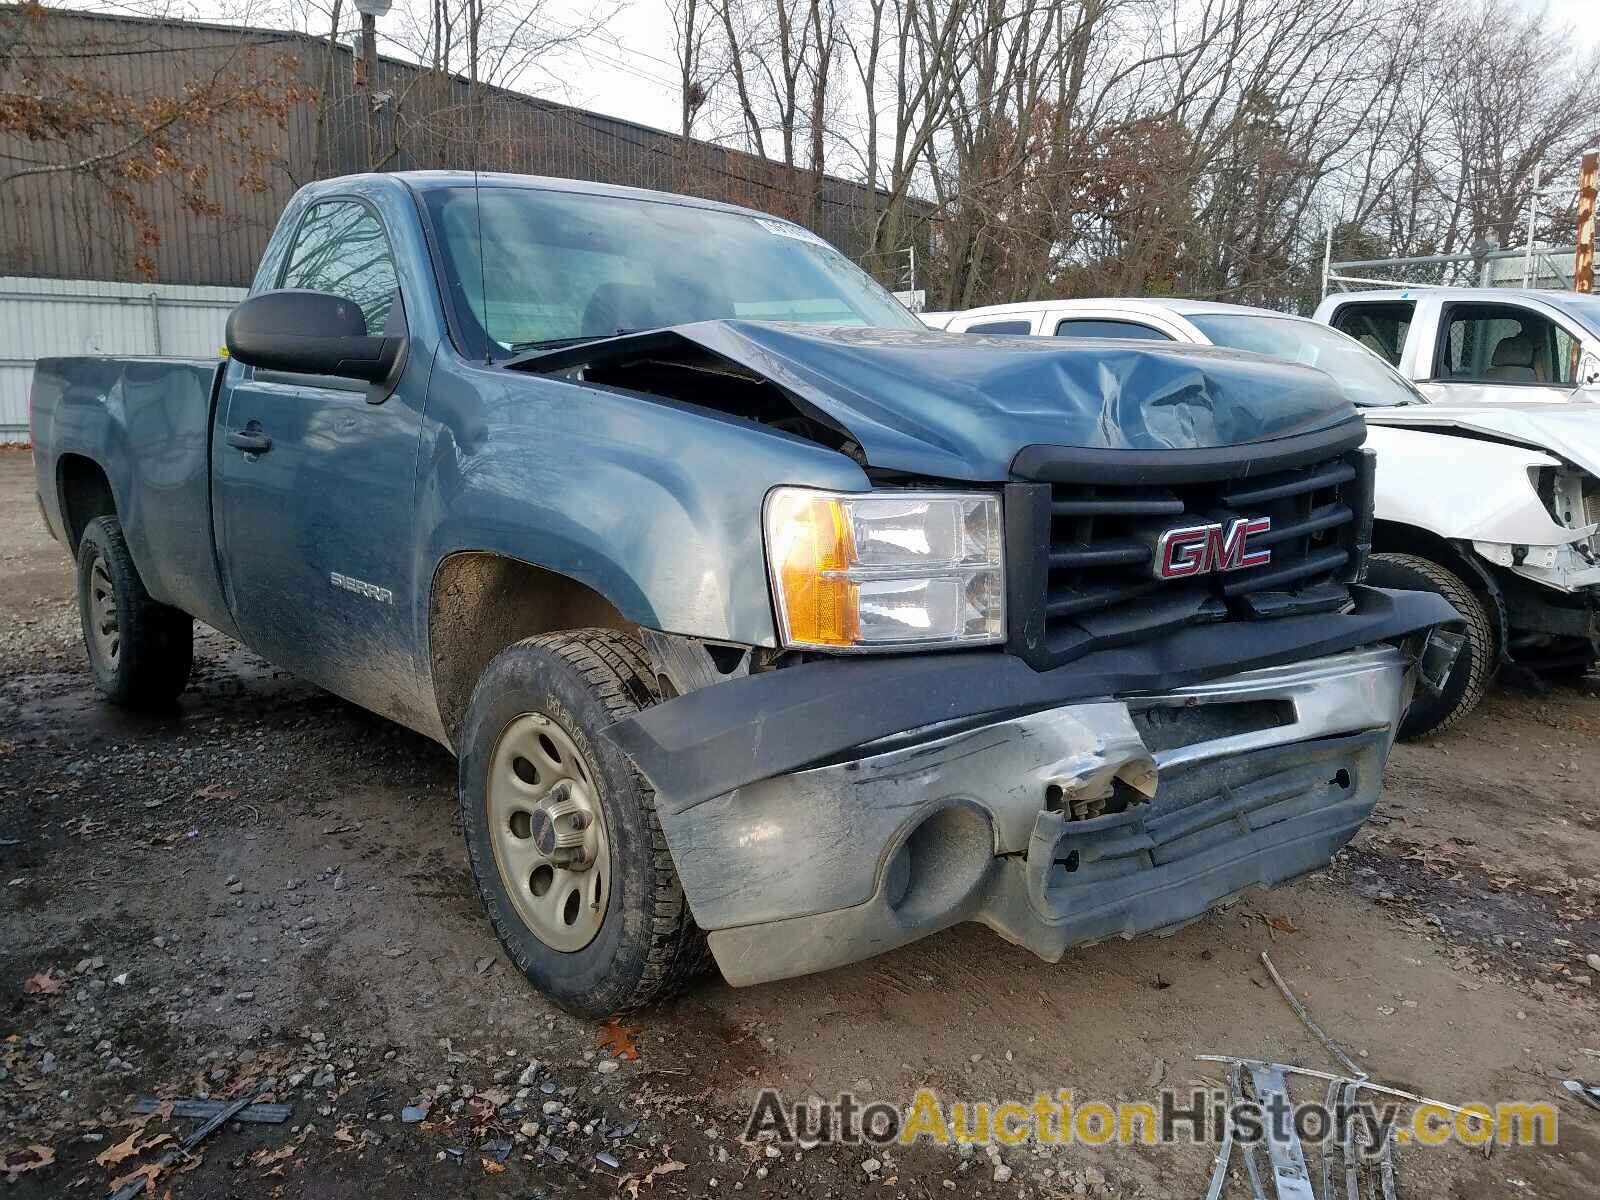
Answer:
[(1341, 780), (940, 864)]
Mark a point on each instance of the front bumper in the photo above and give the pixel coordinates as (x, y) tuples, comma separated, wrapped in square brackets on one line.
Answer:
[(816, 819), (840, 862)]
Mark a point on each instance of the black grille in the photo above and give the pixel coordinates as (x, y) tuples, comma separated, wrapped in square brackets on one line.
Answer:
[(1095, 585)]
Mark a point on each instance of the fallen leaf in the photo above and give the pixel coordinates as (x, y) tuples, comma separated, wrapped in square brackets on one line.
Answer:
[(343, 1134), (618, 1038), (634, 1182), (265, 1158), (1282, 924), (112, 1155), (493, 1167), (16, 1165), (484, 964), (45, 983), (215, 791), (148, 1173), (397, 951), (494, 1096)]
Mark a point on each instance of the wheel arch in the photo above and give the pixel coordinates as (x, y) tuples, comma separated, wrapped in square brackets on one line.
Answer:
[(1395, 537), (482, 601), (84, 492)]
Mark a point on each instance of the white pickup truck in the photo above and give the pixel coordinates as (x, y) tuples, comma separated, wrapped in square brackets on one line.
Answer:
[(1478, 345), (1488, 493)]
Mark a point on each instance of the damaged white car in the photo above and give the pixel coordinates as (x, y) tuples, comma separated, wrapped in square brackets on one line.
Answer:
[(1495, 506)]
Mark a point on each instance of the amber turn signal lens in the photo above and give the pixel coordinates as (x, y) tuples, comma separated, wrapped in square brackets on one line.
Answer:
[(896, 568), (812, 545)]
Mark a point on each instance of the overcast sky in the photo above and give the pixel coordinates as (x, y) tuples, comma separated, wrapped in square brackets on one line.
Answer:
[(629, 71), (634, 79)]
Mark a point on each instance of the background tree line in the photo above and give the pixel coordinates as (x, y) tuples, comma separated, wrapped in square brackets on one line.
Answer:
[(1183, 147)]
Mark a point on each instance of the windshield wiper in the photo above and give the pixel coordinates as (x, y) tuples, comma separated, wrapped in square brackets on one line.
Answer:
[(558, 343)]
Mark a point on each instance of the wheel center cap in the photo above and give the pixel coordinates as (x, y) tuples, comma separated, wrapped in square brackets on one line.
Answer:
[(563, 827), (544, 831)]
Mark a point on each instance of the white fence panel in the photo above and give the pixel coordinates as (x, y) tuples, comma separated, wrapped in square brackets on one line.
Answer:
[(46, 318)]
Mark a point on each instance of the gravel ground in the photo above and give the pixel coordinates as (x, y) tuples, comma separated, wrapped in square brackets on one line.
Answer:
[(266, 889)]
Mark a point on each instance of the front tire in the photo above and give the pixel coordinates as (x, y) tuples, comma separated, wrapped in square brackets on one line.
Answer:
[(140, 651), (561, 831), (1480, 653)]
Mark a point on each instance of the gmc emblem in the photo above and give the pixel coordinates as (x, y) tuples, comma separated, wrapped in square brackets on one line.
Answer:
[(1196, 549)]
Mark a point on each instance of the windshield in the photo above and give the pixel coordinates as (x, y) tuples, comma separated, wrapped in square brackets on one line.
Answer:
[(1585, 308), (559, 267), (1367, 381)]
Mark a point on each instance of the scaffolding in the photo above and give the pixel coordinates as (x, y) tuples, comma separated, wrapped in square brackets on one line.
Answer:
[(1540, 267)]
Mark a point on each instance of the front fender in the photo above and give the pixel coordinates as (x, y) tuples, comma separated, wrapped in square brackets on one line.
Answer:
[(1462, 489), (653, 504)]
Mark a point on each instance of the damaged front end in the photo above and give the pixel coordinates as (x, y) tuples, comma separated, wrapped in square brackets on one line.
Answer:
[(829, 812), (1085, 654)]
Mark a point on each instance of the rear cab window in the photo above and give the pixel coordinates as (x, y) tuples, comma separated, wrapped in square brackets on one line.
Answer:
[(1098, 327), (1379, 325), (1504, 344), (1022, 325)]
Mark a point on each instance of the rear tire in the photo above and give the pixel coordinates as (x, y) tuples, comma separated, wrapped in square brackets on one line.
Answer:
[(1480, 654), (140, 651), (561, 830)]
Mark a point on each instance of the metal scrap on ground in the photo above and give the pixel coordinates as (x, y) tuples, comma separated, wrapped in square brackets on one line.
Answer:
[(147, 1175), (1587, 1093), (1341, 1161), (257, 1114)]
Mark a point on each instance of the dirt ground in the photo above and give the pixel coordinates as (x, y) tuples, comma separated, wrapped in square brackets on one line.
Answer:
[(268, 888)]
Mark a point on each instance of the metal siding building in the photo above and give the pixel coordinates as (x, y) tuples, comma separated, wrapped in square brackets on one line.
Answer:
[(67, 259), (61, 225), (43, 318)]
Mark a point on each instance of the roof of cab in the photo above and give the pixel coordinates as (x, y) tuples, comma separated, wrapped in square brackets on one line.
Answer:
[(1151, 304), (422, 181), (1455, 293)]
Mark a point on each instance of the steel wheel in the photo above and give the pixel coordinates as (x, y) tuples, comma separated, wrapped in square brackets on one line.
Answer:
[(548, 832), (103, 627)]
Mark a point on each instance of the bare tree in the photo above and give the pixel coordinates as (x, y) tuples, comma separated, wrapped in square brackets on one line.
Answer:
[(66, 116)]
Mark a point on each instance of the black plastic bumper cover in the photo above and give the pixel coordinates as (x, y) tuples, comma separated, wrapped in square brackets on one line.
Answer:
[(711, 741)]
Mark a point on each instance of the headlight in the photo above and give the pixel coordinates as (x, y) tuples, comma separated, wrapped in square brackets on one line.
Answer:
[(878, 570)]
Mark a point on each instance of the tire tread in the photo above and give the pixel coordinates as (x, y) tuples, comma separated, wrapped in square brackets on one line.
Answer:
[(613, 667), (1481, 638), (157, 652)]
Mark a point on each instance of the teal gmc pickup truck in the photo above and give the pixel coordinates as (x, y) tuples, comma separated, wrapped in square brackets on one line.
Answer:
[(767, 626)]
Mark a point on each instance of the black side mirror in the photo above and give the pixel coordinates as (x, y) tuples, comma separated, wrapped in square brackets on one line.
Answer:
[(310, 333)]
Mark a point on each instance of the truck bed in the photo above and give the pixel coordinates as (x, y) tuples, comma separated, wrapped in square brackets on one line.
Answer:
[(148, 422)]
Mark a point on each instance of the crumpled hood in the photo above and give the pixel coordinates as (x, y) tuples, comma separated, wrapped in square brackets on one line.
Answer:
[(958, 406), (1570, 431)]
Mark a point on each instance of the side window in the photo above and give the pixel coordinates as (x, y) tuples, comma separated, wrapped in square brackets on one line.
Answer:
[(1504, 343), (1085, 327), (1565, 351), (1022, 325), (340, 248), (1379, 326)]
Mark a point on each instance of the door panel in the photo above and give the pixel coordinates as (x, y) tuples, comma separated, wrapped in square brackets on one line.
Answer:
[(315, 493)]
